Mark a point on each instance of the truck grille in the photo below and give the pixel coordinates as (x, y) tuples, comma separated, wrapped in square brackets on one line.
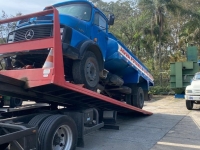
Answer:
[(33, 32), (197, 91)]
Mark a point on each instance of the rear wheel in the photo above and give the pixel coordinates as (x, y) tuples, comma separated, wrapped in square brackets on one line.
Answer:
[(189, 104), (58, 132), (15, 102), (37, 120), (86, 71), (136, 98)]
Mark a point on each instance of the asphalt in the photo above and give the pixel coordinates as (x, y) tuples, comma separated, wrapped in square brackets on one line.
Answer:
[(171, 127)]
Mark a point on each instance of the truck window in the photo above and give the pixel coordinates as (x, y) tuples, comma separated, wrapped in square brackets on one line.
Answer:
[(80, 10), (100, 21)]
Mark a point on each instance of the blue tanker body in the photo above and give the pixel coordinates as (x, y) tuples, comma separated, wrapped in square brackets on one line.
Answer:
[(120, 61), (94, 57)]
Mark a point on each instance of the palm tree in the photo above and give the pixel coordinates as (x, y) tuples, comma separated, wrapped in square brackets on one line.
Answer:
[(157, 12)]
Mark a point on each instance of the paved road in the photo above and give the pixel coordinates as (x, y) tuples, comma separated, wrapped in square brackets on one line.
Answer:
[(172, 127)]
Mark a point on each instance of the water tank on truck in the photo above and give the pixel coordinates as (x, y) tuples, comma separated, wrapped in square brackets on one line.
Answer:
[(92, 56)]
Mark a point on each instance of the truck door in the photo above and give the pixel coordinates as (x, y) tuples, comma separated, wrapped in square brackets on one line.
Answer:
[(99, 31)]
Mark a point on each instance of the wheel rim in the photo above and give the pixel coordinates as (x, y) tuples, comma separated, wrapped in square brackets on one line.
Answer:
[(91, 72), (62, 139)]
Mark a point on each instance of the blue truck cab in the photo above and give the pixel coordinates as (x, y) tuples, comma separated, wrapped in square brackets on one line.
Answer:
[(92, 56)]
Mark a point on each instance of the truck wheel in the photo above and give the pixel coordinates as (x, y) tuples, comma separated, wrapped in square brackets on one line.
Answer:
[(58, 132), (15, 102), (189, 104), (86, 71), (37, 120), (136, 98)]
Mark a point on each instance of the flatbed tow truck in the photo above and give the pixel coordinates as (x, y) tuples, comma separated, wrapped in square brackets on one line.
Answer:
[(45, 127)]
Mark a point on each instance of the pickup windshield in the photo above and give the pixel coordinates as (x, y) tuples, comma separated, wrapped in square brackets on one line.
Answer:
[(197, 77), (80, 10)]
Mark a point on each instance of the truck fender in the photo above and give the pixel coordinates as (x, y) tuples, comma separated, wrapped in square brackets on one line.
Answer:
[(144, 84), (91, 46)]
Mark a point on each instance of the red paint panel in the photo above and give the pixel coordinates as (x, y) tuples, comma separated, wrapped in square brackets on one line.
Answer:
[(82, 90), (26, 45), (45, 12)]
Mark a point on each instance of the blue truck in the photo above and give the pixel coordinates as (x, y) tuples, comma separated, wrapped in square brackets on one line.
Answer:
[(92, 56), (69, 59)]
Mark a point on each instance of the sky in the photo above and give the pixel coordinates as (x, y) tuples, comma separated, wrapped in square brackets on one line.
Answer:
[(11, 7)]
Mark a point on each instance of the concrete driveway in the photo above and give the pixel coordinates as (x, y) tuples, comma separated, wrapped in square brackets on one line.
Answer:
[(171, 127)]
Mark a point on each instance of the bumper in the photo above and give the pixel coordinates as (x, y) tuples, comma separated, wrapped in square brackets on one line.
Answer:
[(192, 98)]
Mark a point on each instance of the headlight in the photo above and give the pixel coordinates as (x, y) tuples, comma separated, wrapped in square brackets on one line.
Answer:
[(11, 38), (188, 91), (61, 32)]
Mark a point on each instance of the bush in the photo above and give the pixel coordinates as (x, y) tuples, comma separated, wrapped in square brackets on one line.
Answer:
[(158, 90)]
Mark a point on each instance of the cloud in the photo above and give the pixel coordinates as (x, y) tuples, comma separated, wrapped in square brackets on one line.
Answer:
[(11, 7)]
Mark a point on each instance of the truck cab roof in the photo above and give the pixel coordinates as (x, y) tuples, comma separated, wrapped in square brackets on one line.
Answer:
[(79, 1)]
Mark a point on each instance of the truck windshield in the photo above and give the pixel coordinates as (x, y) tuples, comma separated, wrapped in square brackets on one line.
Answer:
[(197, 77), (80, 10)]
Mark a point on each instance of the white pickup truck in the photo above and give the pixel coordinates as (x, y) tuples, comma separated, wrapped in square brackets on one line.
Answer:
[(192, 92)]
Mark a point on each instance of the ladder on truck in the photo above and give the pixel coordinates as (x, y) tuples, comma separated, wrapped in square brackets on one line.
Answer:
[(47, 84)]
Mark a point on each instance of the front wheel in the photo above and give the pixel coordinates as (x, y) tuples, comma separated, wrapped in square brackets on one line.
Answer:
[(189, 104), (86, 71)]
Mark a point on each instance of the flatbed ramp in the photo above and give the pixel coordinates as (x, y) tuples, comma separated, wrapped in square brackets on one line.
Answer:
[(66, 93), (49, 84)]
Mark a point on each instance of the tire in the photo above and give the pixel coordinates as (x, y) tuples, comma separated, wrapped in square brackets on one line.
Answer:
[(189, 104), (57, 131), (1, 102), (136, 98), (86, 71), (15, 102), (37, 120)]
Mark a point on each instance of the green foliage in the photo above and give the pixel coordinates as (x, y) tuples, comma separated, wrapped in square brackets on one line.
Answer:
[(158, 90), (156, 31), (6, 28)]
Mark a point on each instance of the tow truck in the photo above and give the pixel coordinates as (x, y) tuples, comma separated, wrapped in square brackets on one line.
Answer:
[(65, 109)]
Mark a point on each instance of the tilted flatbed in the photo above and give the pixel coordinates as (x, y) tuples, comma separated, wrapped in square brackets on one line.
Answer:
[(48, 85)]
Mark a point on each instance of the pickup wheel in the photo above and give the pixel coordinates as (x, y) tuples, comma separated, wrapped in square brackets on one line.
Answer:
[(189, 104), (58, 132), (86, 71)]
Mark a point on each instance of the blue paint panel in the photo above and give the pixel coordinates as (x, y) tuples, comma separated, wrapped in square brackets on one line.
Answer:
[(181, 96), (115, 62), (113, 37)]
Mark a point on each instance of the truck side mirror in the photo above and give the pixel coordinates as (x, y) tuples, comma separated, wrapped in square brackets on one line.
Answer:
[(111, 19)]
